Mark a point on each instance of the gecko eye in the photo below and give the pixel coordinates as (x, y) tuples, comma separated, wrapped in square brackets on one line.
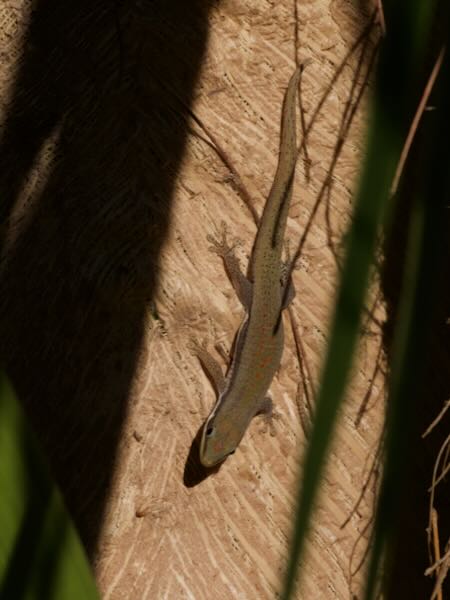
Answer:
[(209, 431), (232, 452)]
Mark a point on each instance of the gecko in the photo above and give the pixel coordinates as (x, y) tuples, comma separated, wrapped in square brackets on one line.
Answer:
[(264, 294)]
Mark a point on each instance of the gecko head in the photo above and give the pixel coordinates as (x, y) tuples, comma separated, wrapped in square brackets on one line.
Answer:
[(219, 440)]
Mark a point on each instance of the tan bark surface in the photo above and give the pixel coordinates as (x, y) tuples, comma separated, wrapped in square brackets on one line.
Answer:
[(111, 191)]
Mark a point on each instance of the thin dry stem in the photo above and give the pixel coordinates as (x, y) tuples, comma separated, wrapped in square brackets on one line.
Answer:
[(435, 480), (437, 419), (437, 552), (380, 15), (441, 567), (416, 120)]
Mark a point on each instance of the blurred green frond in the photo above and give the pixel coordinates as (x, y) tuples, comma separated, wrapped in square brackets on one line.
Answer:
[(41, 556), (413, 28)]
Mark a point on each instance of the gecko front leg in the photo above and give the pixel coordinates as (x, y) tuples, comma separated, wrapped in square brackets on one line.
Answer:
[(209, 364), (221, 247)]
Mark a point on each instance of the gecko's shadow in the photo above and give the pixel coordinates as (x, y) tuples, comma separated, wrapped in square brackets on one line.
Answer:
[(84, 235), (194, 471)]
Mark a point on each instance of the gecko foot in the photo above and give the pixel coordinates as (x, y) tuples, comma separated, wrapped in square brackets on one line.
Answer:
[(269, 415), (287, 264), (219, 242), (195, 347)]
